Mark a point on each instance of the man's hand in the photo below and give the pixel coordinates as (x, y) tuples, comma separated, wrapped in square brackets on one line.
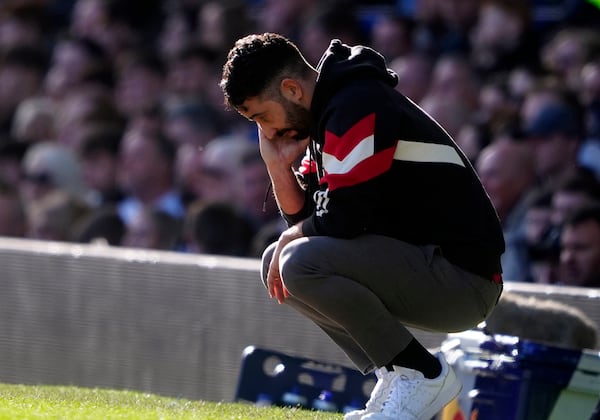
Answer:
[(280, 151), (275, 284), (280, 154)]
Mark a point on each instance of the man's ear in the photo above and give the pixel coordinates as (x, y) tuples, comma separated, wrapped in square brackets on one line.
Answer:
[(291, 90)]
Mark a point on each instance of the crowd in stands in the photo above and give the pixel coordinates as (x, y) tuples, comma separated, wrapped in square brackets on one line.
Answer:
[(113, 128)]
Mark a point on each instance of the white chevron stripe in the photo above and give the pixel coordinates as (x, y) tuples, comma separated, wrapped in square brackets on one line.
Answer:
[(409, 151), (414, 151), (363, 150)]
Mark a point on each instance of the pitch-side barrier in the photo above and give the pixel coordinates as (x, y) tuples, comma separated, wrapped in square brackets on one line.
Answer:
[(163, 322)]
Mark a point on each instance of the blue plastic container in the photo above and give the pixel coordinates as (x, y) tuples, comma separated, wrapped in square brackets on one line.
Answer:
[(505, 378)]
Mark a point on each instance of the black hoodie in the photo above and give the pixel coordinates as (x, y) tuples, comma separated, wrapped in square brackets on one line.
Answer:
[(378, 164)]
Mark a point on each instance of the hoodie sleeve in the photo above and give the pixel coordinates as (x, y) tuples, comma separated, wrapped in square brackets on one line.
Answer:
[(358, 131)]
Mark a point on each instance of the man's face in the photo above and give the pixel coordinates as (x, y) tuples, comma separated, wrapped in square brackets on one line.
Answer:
[(141, 163), (297, 120), (552, 154), (497, 180), (99, 170), (565, 202), (278, 118), (580, 254), (537, 221)]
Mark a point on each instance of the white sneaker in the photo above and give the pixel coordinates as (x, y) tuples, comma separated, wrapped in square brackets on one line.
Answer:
[(379, 394), (413, 397)]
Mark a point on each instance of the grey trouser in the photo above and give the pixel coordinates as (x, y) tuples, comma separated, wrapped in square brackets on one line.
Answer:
[(363, 292)]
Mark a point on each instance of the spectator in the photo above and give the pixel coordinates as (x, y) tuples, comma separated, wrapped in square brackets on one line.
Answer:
[(265, 236), (22, 72), (575, 190), (89, 19), (589, 96), (451, 114), (188, 170), (101, 226), (177, 31), (453, 92), (414, 74), (329, 22), (255, 198), (218, 176), (542, 92), (454, 81), (194, 123), (86, 105), (13, 221), (472, 137), (11, 157), (457, 17), (149, 120), (219, 228), (98, 155), (502, 38), (567, 52), (56, 216), (285, 17), (152, 228), (507, 172), (538, 218), (496, 108), (34, 120), (391, 35), (148, 176), (589, 91), (427, 26), (117, 25), (555, 135), (520, 80), (141, 83), (47, 167), (73, 60), (542, 247), (214, 27), (191, 75), (23, 24), (580, 248)]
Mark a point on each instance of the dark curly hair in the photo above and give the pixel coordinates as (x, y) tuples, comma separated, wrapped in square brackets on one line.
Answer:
[(256, 63)]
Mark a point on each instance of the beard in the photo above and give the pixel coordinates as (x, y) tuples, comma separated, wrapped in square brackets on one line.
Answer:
[(297, 119)]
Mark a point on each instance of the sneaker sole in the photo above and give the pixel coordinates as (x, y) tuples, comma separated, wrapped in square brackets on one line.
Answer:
[(445, 396)]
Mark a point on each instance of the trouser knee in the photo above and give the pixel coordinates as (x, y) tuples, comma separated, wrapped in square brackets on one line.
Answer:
[(293, 266)]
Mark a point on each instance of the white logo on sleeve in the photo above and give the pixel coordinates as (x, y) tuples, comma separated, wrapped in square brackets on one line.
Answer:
[(322, 200)]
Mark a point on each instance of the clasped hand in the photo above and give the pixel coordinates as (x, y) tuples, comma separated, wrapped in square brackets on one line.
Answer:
[(275, 284)]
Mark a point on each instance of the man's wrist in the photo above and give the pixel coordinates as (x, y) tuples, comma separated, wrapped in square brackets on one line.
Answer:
[(279, 167)]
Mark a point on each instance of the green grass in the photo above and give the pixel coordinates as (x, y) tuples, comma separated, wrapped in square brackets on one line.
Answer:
[(19, 402)]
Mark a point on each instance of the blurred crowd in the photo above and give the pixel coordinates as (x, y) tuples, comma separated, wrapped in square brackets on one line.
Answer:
[(113, 128)]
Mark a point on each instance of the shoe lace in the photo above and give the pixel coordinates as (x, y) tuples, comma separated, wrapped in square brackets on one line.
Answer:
[(378, 395), (403, 390)]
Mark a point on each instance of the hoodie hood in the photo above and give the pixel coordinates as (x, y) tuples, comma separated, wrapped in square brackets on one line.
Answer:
[(341, 64)]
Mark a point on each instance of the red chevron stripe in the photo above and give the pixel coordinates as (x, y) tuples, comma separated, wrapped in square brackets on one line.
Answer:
[(341, 146), (364, 171)]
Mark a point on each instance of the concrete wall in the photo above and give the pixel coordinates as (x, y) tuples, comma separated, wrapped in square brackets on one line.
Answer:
[(168, 323)]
